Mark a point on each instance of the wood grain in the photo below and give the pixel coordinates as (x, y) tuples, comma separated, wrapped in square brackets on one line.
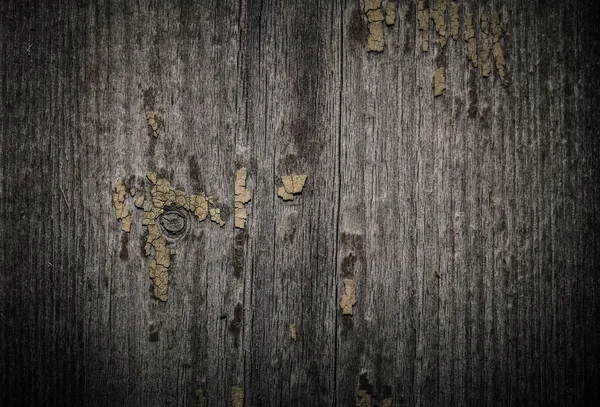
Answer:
[(469, 221)]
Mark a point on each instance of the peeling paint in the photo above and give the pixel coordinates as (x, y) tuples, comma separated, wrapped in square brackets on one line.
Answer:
[(497, 31), (242, 197), (121, 211), (349, 298), (200, 398), (486, 64), (153, 122), (439, 81), (364, 399), (237, 397), (292, 185), (470, 40), (387, 402), (139, 202), (454, 23), (375, 41), (438, 15), (293, 331), (423, 18), (390, 13), (215, 216)]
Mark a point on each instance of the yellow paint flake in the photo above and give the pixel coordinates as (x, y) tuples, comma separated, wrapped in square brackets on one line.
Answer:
[(423, 18), (486, 64), (497, 30), (390, 13), (152, 122), (349, 298), (292, 185), (454, 23), (242, 197), (372, 5), (438, 15), (121, 211), (439, 81), (163, 196), (237, 397), (375, 17), (471, 41), (387, 402), (132, 192), (200, 398), (293, 331), (364, 399), (139, 202)]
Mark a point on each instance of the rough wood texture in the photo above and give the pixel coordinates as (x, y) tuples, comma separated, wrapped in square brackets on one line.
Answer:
[(469, 222)]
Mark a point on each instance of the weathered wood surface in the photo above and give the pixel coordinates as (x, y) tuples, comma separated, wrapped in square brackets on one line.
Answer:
[(469, 222)]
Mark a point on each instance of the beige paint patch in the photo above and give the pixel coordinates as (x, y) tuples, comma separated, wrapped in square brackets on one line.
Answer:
[(372, 5), (163, 196), (439, 80), (387, 402), (471, 41), (364, 399), (390, 13), (293, 331), (423, 18), (375, 17), (292, 185), (200, 398), (349, 298), (454, 22), (438, 15), (121, 211), (486, 64), (153, 122), (139, 202), (237, 397), (498, 52), (242, 197)]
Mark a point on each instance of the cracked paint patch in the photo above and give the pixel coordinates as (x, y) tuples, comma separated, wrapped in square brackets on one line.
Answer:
[(349, 298), (152, 119), (293, 332), (486, 65), (163, 197), (242, 197), (237, 397), (423, 18), (375, 18), (439, 80), (215, 216), (292, 185), (364, 399), (471, 41), (390, 13), (497, 51), (454, 22), (121, 211), (438, 14)]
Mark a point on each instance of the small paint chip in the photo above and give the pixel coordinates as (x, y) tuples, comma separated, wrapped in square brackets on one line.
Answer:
[(121, 211), (471, 41), (215, 216), (497, 30), (200, 398), (237, 397), (423, 18), (454, 23), (439, 81), (242, 197), (486, 64), (292, 185), (387, 402), (139, 202), (293, 331), (349, 298), (438, 15), (390, 13), (153, 122), (364, 399)]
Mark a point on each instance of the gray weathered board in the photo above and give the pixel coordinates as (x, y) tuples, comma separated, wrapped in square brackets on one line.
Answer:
[(469, 222)]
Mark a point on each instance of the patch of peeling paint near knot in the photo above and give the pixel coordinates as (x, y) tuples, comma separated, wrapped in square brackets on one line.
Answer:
[(242, 197), (349, 297), (292, 185), (121, 211), (237, 397)]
